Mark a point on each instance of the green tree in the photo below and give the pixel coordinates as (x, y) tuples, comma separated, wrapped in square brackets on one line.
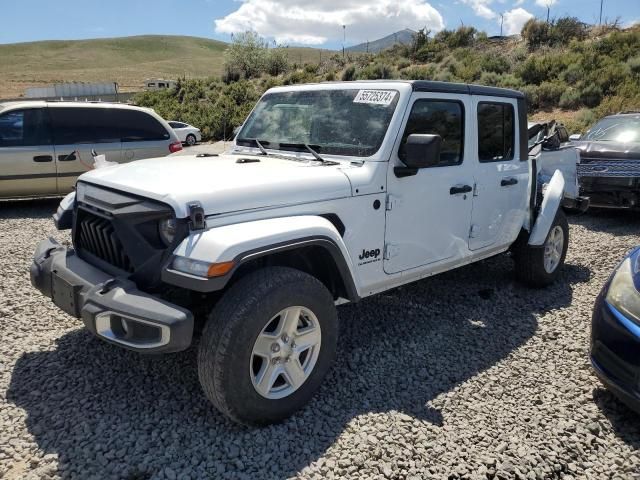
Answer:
[(247, 55)]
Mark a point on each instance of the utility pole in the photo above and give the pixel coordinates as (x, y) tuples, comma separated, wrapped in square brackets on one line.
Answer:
[(601, 2), (501, 23), (344, 38)]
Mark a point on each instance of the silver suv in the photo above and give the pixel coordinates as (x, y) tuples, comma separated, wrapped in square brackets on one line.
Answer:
[(45, 146)]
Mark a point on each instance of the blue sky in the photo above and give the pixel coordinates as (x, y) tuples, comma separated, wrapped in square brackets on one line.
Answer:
[(304, 22)]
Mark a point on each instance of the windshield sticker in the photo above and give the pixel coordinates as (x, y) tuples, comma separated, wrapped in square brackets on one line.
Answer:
[(375, 97)]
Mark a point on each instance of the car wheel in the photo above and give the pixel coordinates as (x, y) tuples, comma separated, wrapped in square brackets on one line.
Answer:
[(267, 345), (191, 140), (539, 266)]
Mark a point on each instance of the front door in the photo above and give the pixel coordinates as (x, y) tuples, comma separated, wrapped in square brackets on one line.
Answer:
[(429, 213), (500, 199), (27, 167)]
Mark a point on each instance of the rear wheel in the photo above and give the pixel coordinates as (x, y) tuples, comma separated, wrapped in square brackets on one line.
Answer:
[(539, 266), (267, 345), (191, 140)]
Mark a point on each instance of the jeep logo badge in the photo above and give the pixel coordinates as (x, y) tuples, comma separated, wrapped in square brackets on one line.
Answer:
[(369, 254)]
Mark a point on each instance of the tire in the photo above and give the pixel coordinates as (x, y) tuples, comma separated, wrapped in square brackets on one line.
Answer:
[(530, 260), (228, 366), (191, 140)]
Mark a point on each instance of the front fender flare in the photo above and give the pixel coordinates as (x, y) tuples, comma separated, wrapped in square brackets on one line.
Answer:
[(548, 210), (247, 241)]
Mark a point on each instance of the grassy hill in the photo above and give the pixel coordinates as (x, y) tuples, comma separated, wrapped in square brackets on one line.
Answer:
[(128, 61), (568, 71)]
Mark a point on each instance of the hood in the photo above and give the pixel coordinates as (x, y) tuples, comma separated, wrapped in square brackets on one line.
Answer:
[(225, 183), (608, 150)]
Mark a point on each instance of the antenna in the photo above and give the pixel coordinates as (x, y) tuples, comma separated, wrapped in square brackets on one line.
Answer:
[(601, 2)]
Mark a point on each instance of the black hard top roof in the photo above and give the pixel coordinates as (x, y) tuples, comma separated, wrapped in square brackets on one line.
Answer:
[(464, 88)]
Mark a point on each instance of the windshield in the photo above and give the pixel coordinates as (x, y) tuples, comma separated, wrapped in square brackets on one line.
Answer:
[(339, 122), (615, 129)]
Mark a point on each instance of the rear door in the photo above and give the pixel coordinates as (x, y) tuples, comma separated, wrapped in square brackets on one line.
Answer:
[(27, 167), (82, 129), (500, 195), (142, 135)]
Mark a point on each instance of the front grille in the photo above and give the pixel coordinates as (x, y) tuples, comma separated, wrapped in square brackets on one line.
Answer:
[(609, 168), (97, 236)]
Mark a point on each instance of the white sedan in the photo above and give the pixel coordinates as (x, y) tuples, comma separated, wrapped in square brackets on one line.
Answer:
[(186, 133)]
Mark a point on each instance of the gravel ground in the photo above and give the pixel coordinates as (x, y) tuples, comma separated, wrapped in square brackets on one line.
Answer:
[(466, 375)]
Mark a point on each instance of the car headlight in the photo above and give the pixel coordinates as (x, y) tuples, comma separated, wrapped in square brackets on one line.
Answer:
[(201, 268), (622, 293), (168, 229)]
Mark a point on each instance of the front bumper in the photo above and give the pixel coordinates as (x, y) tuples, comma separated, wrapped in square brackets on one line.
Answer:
[(112, 308), (615, 352)]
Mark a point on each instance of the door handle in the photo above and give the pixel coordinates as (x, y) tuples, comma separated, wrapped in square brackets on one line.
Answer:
[(456, 189), (67, 158), (43, 158), (506, 182)]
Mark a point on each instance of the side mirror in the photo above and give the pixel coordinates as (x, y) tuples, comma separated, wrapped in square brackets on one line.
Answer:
[(236, 131), (575, 137), (422, 151)]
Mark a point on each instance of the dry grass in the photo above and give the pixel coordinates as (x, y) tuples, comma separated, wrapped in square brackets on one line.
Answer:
[(128, 61)]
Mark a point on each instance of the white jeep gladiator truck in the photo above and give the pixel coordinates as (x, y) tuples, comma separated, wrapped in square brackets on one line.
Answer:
[(331, 193)]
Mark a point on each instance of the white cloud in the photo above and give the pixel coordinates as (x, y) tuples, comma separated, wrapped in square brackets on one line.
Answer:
[(515, 19), (481, 8), (314, 22), (546, 3)]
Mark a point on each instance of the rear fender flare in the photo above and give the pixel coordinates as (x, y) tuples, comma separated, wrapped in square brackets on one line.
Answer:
[(550, 204)]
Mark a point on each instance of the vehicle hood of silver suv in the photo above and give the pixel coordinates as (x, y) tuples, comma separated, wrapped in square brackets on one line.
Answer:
[(226, 183)]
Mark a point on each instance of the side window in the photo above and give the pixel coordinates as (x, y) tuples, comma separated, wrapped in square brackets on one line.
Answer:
[(139, 126), (25, 128), (438, 117), (84, 125), (496, 132)]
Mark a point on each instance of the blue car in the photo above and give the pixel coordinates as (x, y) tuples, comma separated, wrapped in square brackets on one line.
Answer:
[(615, 332)]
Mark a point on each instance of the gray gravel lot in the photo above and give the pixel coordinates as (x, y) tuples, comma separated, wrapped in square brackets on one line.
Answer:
[(466, 375)]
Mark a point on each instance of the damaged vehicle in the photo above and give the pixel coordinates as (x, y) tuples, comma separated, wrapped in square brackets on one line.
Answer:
[(332, 193), (550, 146), (609, 170)]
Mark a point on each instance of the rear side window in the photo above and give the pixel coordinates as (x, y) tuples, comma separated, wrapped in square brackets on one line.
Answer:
[(25, 128), (438, 117), (139, 126), (496, 132), (84, 125)]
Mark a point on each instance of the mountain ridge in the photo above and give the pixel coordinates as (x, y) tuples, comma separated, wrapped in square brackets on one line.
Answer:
[(402, 36)]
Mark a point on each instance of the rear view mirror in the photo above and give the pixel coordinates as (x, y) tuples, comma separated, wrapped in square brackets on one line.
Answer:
[(575, 137), (422, 150)]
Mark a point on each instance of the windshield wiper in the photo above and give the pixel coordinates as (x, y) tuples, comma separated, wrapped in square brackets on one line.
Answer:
[(311, 150), (314, 153), (260, 146)]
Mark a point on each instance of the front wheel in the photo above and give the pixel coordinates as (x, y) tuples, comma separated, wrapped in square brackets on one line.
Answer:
[(539, 266), (267, 345)]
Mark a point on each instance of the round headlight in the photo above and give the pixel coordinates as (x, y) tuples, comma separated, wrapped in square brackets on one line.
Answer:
[(167, 229)]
